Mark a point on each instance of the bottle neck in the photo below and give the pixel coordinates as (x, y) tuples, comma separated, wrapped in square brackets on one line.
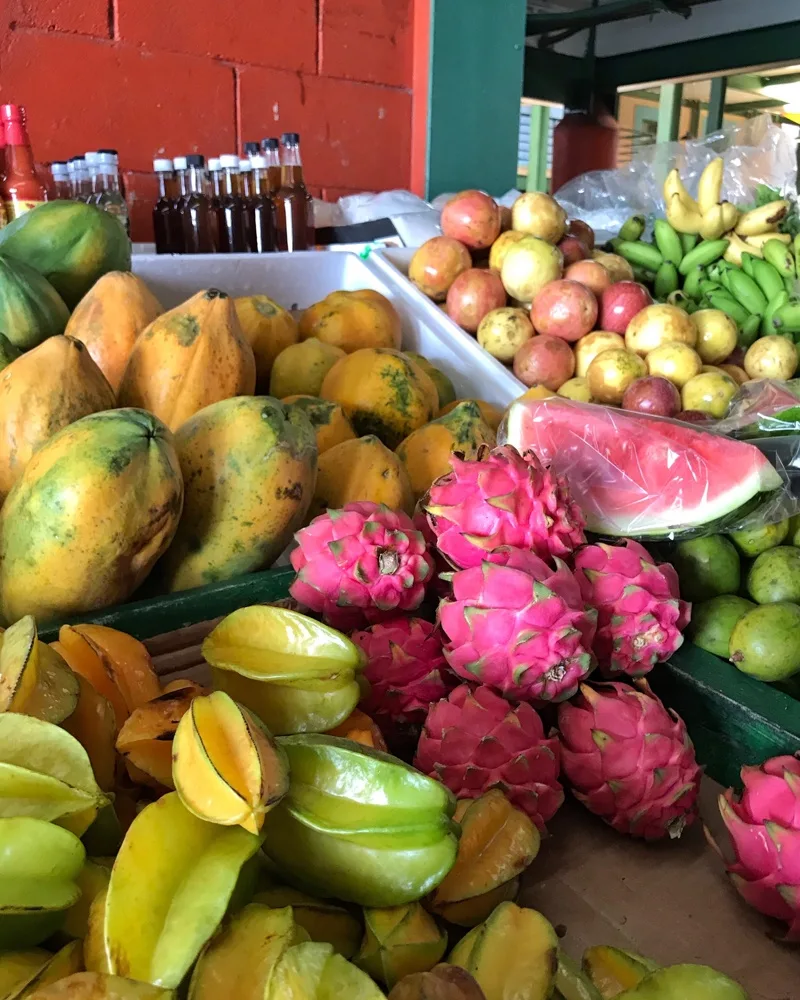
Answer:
[(292, 175), (107, 179), (260, 180), (163, 184), (18, 152), (230, 182), (195, 180)]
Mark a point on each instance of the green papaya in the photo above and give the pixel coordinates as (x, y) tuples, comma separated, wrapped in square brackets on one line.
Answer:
[(8, 352), (31, 310), (70, 243)]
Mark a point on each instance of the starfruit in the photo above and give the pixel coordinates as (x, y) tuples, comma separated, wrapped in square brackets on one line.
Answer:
[(94, 725), (92, 880), (612, 970), (295, 673), (145, 740), (514, 953), (226, 767), (39, 863), (96, 986), (67, 961), (34, 679), (399, 941), (46, 773), (497, 844), (240, 960), (443, 982), (324, 921), (360, 825), (315, 972), (686, 982), (170, 887), (18, 968), (360, 728), (572, 981)]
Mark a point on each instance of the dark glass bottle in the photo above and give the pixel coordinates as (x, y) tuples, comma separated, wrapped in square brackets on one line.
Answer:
[(195, 210), (232, 211), (294, 206), (262, 208), (272, 152), (166, 235)]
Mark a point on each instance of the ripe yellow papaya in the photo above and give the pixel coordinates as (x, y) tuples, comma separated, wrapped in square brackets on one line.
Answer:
[(94, 509), (110, 317), (268, 328), (42, 391), (352, 320), (249, 465), (328, 420), (188, 358), (489, 412), (362, 469)]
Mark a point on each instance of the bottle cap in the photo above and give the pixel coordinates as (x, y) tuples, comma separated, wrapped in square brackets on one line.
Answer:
[(251, 148), (110, 152), (162, 166), (258, 162), (229, 160), (79, 161), (270, 144), (213, 163), (180, 162), (12, 113), (290, 138), (92, 157), (195, 160), (245, 165), (59, 169)]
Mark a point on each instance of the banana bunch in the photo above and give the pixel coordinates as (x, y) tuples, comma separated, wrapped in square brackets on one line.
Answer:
[(708, 217)]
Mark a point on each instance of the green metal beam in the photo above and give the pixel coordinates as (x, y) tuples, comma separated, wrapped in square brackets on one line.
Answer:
[(716, 105), (537, 150), (670, 102), (771, 81), (694, 118), (746, 81)]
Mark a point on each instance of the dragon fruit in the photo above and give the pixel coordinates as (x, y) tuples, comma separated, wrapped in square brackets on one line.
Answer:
[(764, 825), (640, 613), (501, 498), (406, 668), (474, 740), (630, 760), (364, 563), (519, 626)]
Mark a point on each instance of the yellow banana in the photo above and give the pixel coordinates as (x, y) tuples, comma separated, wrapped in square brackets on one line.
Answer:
[(730, 215), (709, 188), (681, 218), (736, 247), (712, 224), (673, 185), (762, 220), (761, 239)]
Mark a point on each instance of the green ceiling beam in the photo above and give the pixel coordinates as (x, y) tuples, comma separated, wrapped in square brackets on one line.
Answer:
[(746, 81), (716, 104)]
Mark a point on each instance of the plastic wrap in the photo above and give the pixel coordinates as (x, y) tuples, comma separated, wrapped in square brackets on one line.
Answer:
[(763, 407), (647, 477), (756, 152)]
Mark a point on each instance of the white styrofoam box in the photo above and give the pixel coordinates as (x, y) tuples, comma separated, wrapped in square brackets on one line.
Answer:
[(297, 280), (397, 260)]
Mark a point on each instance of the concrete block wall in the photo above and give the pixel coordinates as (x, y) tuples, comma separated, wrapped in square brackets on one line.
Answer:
[(164, 77)]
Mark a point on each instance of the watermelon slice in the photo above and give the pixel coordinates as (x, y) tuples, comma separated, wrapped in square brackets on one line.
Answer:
[(635, 475)]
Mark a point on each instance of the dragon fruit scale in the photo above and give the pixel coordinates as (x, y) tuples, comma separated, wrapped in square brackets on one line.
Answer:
[(406, 668), (363, 563), (629, 760), (519, 626), (640, 614), (501, 498), (764, 826), (474, 740)]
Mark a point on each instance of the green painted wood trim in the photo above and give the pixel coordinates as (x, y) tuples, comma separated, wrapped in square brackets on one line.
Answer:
[(694, 118), (716, 104), (551, 76), (477, 59), (670, 103), (537, 150)]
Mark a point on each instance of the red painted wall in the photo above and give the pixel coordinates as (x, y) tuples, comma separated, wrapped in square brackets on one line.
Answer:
[(164, 77)]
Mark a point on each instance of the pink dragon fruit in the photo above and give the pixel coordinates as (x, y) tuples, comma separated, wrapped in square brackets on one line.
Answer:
[(640, 613), (764, 825), (364, 563), (406, 668), (501, 498), (519, 626), (474, 740), (630, 760)]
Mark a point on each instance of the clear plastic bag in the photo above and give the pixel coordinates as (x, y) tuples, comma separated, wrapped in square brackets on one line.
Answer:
[(638, 476), (755, 152), (763, 407)]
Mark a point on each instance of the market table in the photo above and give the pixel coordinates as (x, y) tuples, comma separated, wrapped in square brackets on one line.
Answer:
[(670, 901)]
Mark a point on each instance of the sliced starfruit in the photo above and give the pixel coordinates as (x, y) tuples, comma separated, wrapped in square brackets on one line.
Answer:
[(170, 887), (325, 922), (127, 662), (512, 954), (94, 726), (19, 664), (444, 982), (55, 695), (315, 972), (497, 844), (572, 981), (92, 880), (274, 644), (682, 982), (19, 967), (613, 970), (84, 659), (45, 773), (240, 960), (95, 955), (145, 740), (399, 941), (39, 863), (360, 728), (226, 767), (67, 961), (96, 986)]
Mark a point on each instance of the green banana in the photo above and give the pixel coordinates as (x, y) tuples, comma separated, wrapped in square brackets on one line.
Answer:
[(689, 241), (704, 253), (746, 290), (747, 264), (767, 278), (796, 248), (725, 303), (691, 286), (666, 280), (787, 318), (642, 254), (614, 242), (777, 302), (642, 275), (748, 334), (632, 228), (789, 285), (691, 307), (668, 242), (707, 286), (781, 258)]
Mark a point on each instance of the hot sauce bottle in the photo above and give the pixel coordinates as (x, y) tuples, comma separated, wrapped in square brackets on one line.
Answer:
[(22, 188), (293, 204)]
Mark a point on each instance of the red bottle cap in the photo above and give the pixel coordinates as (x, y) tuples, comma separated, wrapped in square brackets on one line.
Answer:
[(12, 113)]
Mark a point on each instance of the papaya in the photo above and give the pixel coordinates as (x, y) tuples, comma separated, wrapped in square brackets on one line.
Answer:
[(30, 308), (361, 469), (330, 424), (188, 358), (268, 328), (249, 466), (8, 352), (96, 506), (44, 390), (490, 413), (110, 317), (72, 244), (300, 369), (383, 392), (444, 387), (352, 320), (426, 451)]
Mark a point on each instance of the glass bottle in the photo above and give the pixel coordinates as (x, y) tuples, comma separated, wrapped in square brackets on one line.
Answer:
[(262, 208), (251, 149), (197, 225), (62, 187), (245, 172), (82, 184), (293, 204), (166, 236), (272, 151), (22, 188), (213, 176), (91, 160), (232, 215), (109, 195)]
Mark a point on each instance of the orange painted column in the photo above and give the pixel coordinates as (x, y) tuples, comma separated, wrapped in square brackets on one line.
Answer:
[(420, 94)]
